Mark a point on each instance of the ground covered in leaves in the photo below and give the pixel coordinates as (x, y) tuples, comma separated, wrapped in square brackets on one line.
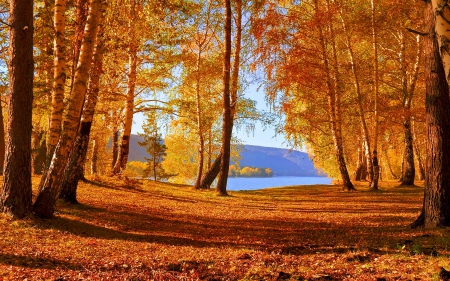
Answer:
[(124, 230)]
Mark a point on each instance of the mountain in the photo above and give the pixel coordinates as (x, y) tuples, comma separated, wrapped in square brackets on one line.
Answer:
[(283, 162), (137, 152)]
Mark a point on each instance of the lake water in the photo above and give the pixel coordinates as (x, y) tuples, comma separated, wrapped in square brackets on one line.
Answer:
[(259, 183)]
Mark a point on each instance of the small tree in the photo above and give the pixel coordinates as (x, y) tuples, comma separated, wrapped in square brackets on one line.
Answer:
[(155, 147)]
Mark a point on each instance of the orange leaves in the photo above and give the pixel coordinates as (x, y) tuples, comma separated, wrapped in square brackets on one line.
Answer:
[(163, 231)]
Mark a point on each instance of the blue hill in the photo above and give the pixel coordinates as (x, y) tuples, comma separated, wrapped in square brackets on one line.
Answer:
[(283, 162)]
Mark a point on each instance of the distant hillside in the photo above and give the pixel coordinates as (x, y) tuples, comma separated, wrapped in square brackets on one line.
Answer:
[(137, 152), (283, 162)]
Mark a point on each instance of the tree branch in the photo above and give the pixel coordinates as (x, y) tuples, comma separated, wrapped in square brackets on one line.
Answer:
[(417, 32), (2, 22)]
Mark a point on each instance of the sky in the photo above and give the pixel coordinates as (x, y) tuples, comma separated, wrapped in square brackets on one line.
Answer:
[(259, 137)]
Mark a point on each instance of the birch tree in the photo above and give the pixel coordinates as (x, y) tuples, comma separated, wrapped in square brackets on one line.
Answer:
[(408, 88), (376, 168), (134, 46), (59, 79), (74, 169), (360, 97), (214, 169), (48, 192)]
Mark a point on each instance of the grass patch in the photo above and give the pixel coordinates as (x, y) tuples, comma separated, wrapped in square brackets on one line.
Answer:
[(145, 230)]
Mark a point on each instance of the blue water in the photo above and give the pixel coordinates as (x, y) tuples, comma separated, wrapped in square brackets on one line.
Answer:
[(259, 183)]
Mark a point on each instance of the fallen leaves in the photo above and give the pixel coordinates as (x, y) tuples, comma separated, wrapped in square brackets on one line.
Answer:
[(159, 231)]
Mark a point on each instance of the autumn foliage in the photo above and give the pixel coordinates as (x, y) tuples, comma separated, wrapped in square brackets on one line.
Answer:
[(146, 230)]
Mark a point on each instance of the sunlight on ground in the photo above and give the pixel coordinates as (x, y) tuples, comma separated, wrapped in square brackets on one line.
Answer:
[(160, 231)]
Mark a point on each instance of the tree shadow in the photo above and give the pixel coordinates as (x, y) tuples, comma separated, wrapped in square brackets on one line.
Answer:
[(401, 185), (171, 229), (132, 186), (36, 262), (175, 238)]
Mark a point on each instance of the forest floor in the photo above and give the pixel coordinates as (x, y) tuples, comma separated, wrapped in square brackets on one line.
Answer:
[(159, 231)]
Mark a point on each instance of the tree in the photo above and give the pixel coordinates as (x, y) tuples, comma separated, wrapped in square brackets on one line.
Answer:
[(227, 124), (408, 93), (124, 148), (436, 210), (155, 147), (196, 97), (233, 80), (363, 163), (2, 138), (334, 98), (304, 73), (134, 44), (202, 41), (376, 168), (74, 169), (44, 206), (16, 194), (80, 22), (59, 79)]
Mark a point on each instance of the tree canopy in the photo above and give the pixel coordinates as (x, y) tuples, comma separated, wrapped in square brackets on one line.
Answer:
[(346, 81)]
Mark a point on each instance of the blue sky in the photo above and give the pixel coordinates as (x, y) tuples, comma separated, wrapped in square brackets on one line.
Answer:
[(259, 137)]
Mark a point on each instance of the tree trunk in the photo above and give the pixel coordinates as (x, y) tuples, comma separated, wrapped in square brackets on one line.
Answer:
[(419, 162), (227, 129), (436, 210), (337, 92), (59, 79), (2, 139), (403, 167), (16, 193), (442, 28), (357, 176), (374, 183), (236, 61), (201, 141), (49, 69), (74, 170), (155, 163), (365, 131), (210, 145), (201, 43), (418, 155), (124, 148), (94, 157), (334, 111), (408, 93), (38, 152), (209, 177), (81, 15), (388, 163), (361, 168), (115, 145), (44, 206), (409, 174), (380, 172), (214, 169)]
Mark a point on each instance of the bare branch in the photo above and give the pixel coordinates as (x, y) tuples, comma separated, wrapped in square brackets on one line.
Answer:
[(2, 22), (417, 32)]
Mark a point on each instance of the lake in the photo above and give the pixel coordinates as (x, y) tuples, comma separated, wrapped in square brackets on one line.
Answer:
[(259, 183)]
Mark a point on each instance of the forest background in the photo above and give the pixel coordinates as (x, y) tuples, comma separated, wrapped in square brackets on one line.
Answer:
[(342, 79), (363, 86)]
